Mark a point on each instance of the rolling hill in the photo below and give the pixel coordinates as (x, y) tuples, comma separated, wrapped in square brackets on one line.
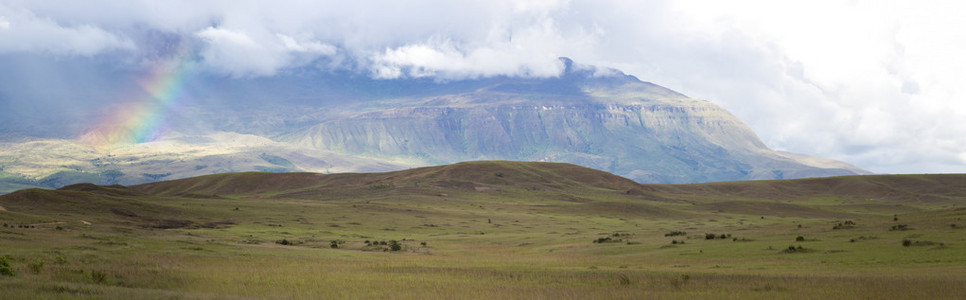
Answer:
[(486, 229)]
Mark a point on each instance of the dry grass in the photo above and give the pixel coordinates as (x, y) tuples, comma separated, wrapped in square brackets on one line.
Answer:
[(513, 242)]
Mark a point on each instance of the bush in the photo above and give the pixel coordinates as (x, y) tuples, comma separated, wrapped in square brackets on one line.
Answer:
[(907, 243), (607, 239), (334, 245), (37, 266), (623, 279), (394, 246), (845, 225), (5, 269), (675, 233), (709, 236), (800, 239), (98, 276)]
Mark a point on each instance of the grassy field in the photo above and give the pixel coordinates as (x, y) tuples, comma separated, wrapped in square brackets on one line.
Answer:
[(487, 230)]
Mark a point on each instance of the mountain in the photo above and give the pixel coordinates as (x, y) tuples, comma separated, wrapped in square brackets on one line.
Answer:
[(316, 121)]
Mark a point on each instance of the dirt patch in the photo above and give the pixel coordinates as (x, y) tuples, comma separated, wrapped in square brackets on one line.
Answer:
[(123, 212), (85, 222), (769, 209), (484, 188), (2, 209)]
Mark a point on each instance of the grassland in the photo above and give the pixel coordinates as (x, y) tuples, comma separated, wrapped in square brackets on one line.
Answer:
[(487, 230)]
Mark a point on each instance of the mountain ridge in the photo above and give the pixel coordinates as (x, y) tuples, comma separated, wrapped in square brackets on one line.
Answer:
[(334, 122)]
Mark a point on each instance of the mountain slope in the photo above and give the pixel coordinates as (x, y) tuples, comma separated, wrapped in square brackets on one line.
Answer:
[(614, 123), (311, 121)]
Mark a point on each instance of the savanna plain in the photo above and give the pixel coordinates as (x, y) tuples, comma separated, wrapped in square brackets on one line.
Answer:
[(496, 230)]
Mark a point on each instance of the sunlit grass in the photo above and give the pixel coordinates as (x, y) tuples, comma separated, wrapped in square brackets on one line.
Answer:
[(515, 243)]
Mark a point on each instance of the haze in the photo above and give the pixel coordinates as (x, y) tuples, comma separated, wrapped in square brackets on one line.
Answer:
[(874, 83)]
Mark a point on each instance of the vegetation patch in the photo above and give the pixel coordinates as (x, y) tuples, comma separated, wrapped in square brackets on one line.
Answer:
[(848, 224)]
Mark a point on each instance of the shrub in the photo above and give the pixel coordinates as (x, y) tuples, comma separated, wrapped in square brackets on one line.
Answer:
[(283, 242), (37, 266), (394, 245), (844, 225), (98, 276), (709, 236), (334, 245), (5, 269), (607, 239), (623, 279), (422, 244), (678, 282), (675, 233), (800, 239), (899, 227), (907, 243)]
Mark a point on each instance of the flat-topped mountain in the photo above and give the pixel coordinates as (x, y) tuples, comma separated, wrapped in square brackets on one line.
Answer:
[(343, 122)]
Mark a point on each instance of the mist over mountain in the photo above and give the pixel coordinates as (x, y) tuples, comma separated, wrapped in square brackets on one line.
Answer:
[(346, 121)]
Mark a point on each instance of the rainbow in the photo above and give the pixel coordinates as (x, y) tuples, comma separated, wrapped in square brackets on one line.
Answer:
[(144, 117)]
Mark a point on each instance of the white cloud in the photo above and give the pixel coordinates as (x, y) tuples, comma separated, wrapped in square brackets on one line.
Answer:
[(876, 83), (239, 54), (313, 47), (22, 31), (529, 52)]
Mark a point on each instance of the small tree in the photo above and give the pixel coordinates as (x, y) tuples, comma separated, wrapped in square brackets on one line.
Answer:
[(394, 245)]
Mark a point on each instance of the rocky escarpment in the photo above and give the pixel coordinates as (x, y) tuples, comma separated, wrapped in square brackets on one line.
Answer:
[(616, 124), (344, 122)]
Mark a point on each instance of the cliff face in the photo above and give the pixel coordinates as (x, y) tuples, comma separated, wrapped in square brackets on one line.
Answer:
[(329, 122), (616, 124)]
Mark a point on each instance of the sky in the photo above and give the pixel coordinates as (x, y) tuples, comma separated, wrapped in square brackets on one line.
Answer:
[(879, 84)]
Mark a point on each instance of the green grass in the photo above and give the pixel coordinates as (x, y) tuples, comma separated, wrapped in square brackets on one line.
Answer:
[(491, 230)]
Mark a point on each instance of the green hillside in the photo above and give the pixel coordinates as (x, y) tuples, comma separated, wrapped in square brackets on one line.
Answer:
[(491, 229)]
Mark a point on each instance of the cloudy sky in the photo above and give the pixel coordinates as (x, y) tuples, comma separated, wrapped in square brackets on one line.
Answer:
[(880, 84)]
